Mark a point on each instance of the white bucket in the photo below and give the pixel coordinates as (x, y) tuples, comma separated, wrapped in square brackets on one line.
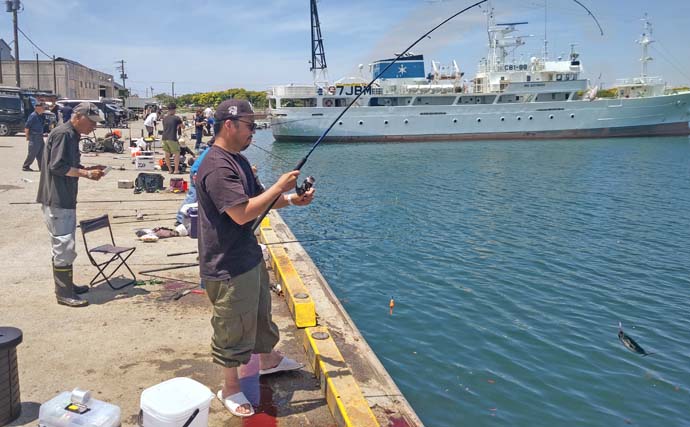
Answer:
[(173, 402)]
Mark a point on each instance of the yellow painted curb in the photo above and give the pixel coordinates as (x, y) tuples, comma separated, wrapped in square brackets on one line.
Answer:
[(299, 301), (343, 395)]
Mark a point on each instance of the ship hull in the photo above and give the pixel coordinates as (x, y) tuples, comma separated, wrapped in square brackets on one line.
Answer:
[(666, 115)]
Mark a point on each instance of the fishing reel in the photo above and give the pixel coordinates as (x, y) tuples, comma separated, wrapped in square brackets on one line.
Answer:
[(306, 186)]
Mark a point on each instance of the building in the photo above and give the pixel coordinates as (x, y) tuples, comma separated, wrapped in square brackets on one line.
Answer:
[(73, 80)]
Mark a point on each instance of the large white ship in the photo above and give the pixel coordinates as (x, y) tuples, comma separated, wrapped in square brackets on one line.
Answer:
[(507, 99)]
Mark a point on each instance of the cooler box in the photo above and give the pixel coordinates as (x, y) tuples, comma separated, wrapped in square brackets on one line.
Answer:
[(145, 163), (173, 403), (193, 223), (60, 411)]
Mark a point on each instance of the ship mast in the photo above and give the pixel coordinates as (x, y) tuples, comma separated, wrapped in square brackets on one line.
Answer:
[(318, 56), (645, 41)]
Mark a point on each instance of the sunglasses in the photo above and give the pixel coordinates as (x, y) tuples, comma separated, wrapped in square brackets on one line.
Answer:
[(252, 126)]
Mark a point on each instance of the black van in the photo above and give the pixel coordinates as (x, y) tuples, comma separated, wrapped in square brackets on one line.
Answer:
[(11, 111), (15, 107)]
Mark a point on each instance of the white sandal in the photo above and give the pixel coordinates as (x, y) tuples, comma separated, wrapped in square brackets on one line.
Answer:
[(234, 401), (286, 364)]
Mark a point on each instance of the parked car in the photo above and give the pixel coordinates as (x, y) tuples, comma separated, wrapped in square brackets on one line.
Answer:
[(11, 111), (114, 114)]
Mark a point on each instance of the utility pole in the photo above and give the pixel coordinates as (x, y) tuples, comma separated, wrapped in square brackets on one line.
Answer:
[(38, 77), (54, 78), (13, 6), (123, 75)]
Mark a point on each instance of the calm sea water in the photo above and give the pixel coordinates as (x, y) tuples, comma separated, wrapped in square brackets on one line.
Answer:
[(511, 264)]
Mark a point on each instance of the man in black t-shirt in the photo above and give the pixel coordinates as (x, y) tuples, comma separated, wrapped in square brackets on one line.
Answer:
[(172, 125), (230, 259)]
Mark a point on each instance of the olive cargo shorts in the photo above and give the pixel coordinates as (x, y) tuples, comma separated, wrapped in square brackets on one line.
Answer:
[(241, 319)]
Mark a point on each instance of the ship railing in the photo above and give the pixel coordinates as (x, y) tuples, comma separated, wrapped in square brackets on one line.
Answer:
[(640, 81)]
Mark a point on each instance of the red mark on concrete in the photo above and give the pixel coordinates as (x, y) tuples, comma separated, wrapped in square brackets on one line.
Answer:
[(260, 394)]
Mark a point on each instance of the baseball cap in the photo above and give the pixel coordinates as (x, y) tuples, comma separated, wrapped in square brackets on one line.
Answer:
[(234, 109), (89, 110)]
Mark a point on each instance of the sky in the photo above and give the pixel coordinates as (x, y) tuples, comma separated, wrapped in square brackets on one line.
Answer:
[(220, 44)]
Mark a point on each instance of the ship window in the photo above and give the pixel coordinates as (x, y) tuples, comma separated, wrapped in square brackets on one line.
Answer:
[(434, 100), (298, 102), (389, 101), (340, 123), (519, 118), (559, 77), (272, 102), (479, 120), (529, 78), (341, 102)]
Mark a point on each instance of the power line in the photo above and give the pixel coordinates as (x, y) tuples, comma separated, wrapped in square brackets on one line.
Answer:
[(34, 44)]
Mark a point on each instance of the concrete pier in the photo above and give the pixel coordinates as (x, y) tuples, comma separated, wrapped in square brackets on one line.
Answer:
[(128, 340)]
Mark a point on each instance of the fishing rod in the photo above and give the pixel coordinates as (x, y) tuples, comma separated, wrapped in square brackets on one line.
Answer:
[(291, 241), (143, 214), (107, 201), (169, 268), (300, 189)]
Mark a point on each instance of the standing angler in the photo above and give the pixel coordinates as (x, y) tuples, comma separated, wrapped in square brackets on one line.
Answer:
[(57, 192), (33, 129), (230, 260)]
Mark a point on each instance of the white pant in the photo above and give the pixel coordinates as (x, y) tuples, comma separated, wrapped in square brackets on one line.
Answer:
[(62, 225)]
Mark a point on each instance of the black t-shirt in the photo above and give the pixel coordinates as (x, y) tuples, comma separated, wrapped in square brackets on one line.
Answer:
[(61, 153), (170, 124), (226, 249)]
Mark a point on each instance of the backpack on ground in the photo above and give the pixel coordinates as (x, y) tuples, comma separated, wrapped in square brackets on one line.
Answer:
[(148, 182)]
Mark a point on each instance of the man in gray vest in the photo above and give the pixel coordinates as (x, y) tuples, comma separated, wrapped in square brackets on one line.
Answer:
[(57, 192)]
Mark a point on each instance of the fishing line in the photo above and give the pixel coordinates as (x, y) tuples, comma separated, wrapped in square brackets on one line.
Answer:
[(366, 89), (292, 241), (271, 154)]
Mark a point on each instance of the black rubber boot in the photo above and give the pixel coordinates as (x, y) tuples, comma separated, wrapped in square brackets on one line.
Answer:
[(65, 289)]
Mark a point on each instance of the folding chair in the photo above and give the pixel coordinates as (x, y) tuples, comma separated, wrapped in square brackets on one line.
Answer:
[(117, 252)]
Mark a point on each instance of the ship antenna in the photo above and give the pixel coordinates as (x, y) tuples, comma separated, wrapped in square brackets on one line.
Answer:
[(645, 41), (318, 56)]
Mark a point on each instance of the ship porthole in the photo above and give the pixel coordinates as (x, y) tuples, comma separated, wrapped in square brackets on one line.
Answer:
[(503, 119), (385, 122), (479, 120), (519, 118), (455, 120), (340, 123), (530, 117), (406, 121), (361, 122), (572, 116), (551, 116)]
